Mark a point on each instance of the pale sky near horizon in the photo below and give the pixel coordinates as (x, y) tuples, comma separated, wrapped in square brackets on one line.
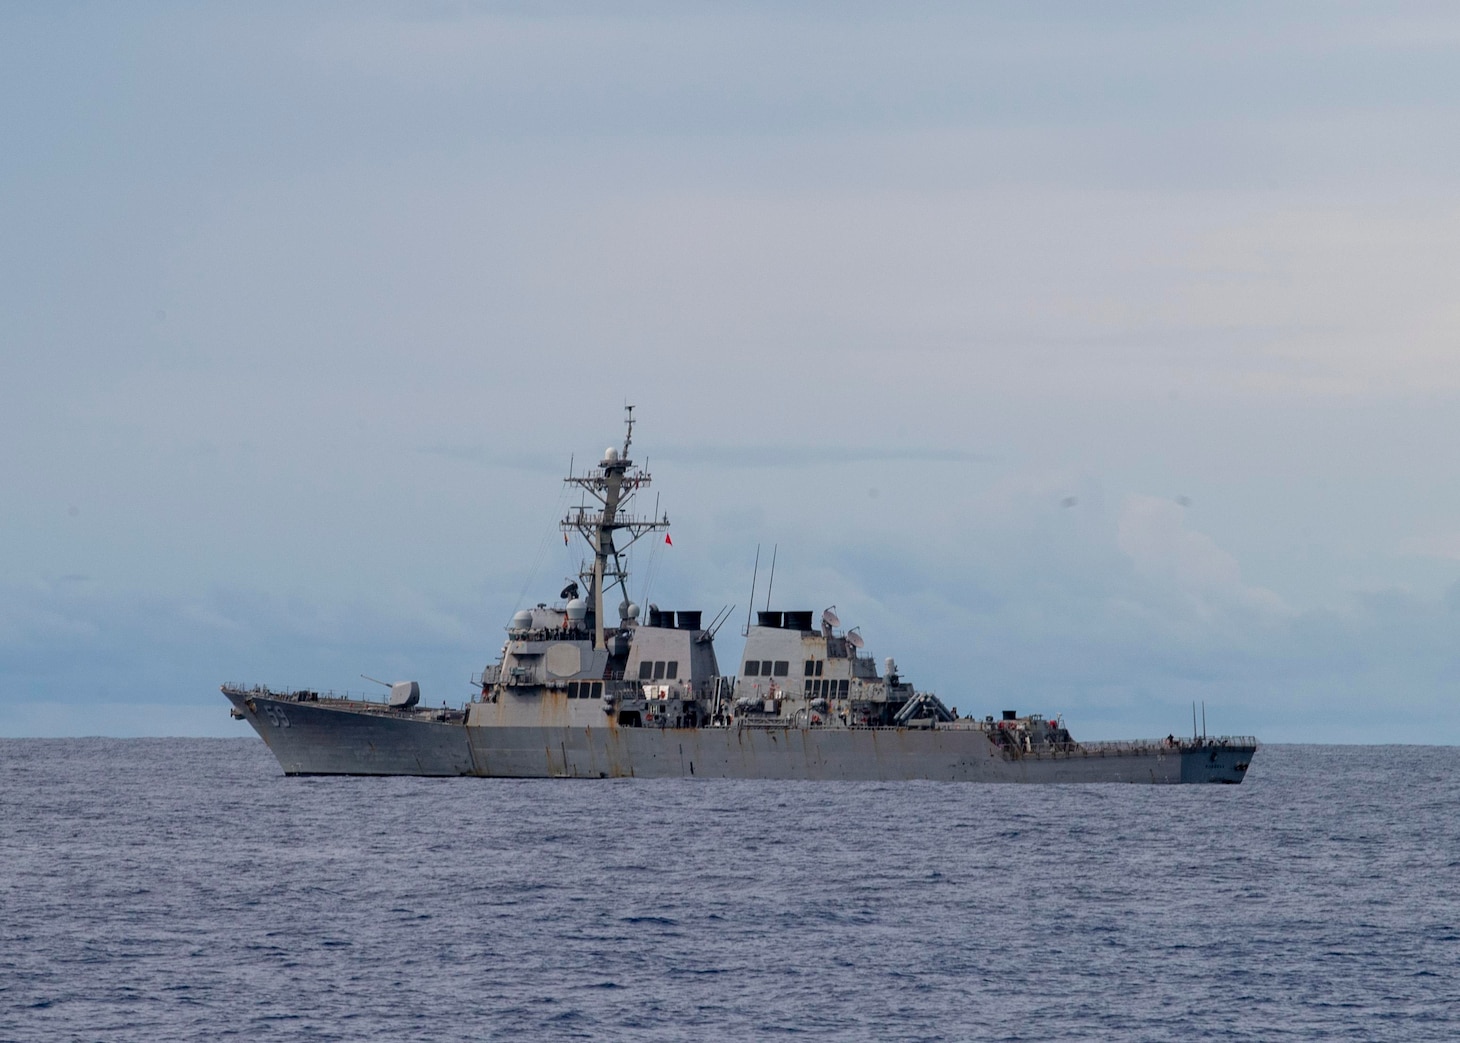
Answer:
[(1093, 358)]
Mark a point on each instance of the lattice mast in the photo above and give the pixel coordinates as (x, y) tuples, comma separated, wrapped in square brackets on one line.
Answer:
[(612, 485)]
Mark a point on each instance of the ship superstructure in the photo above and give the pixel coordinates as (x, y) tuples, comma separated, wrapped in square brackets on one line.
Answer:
[(591, 686)]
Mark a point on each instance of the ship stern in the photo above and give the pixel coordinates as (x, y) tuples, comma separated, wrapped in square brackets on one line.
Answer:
[(1224, 761)]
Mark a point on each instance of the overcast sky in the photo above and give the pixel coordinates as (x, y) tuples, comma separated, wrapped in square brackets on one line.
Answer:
[(1093, 358)]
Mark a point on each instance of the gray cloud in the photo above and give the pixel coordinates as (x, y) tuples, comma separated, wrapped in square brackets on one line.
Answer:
[(305, 309), (728, 456), (1061, 622)]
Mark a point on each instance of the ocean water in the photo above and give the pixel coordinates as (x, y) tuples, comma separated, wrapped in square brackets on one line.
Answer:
[(185, 890)]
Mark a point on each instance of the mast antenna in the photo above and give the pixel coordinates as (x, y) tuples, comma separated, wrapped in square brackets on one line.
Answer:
[(751, 606), (772, 582), (719, 621), (609, 487)]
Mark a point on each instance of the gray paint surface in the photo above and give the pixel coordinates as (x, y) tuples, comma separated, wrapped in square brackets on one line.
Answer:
[(359, 739)]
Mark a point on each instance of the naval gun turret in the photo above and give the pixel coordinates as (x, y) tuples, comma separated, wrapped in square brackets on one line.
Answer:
[(403, 694)]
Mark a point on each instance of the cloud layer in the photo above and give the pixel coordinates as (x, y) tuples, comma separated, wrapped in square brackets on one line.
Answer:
[(1099, 360)]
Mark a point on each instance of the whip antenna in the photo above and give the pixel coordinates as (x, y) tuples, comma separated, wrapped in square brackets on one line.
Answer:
[(772, 582), (751, 606)]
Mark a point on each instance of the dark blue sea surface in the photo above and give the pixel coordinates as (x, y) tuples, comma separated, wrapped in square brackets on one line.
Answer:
[(181, 889)]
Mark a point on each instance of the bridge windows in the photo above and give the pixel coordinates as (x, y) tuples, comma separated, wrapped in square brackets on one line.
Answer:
[(827, 687), (767, 667), (658, 670), (585, 689), (814, 667)]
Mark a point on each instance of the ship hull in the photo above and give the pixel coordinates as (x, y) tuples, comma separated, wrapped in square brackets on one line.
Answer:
[(331, 739), (314, 738)]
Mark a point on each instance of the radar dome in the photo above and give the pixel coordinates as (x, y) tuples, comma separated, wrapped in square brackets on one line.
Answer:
[(522, 620), (577, 610), (610, 455)]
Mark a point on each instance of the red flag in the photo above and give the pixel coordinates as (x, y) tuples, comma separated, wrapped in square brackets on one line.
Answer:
[(668, 540)]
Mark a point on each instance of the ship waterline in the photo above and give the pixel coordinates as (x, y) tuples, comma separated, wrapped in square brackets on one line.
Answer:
[(346, 737)]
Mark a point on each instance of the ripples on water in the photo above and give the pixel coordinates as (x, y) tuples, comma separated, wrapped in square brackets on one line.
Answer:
[(185, 890)]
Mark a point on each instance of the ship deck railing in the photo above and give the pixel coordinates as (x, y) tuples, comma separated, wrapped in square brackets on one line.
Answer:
[(972, 724), (1098, 748), (293, 694), (1178, 743)]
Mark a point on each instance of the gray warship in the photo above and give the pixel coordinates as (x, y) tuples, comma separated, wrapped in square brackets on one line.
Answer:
[(575, 695)]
